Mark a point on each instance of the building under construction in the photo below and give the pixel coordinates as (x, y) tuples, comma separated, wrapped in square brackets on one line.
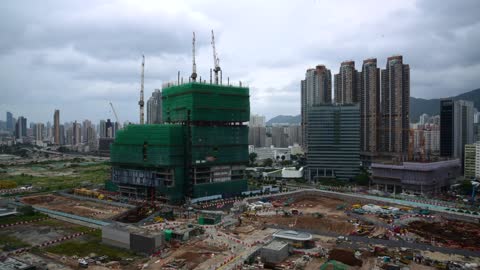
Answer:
[(201, 150)]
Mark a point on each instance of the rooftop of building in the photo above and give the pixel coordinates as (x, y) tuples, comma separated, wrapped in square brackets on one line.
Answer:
[(348, 63), (131, 229), (395, 57), (276, 245), (419, 166), (170, 86), (293, 235)]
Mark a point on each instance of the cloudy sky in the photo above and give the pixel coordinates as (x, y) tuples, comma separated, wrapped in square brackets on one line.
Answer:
[(78, 56)]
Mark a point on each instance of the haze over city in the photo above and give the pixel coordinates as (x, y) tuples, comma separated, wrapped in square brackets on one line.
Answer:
[(77, 56)]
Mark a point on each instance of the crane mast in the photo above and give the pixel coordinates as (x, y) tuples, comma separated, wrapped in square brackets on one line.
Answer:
[(194, 65), (216, 60), (141, 102), (114, 112)]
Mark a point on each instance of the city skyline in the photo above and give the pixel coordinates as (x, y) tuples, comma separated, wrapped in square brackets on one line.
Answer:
[(89, 66)]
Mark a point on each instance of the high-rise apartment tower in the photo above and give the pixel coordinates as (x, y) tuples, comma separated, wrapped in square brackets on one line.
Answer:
[(395, 107)]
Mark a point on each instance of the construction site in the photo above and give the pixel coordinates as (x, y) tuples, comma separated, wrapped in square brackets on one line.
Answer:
[(178, 198), (303, 229), (200, 150)]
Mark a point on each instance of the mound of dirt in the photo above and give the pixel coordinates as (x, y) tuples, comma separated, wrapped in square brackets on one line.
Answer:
[(344, 256)]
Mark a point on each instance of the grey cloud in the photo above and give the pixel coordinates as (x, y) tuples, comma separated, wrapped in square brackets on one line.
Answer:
[(95, 32), (78, 55)]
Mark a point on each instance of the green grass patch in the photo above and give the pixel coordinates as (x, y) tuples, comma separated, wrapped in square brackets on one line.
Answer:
[(88, 174), (69, 227), (52, 223), (97, 234), (83, 249), (13, 219), (8, 243)]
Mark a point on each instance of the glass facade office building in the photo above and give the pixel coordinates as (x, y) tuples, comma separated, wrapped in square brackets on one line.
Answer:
[(333, 148)]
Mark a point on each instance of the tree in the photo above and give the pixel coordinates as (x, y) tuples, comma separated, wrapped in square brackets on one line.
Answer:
[(286, 162), (363, 178), (26, 210), (252, 156), (283, 157), (466, 187), (267, 162)]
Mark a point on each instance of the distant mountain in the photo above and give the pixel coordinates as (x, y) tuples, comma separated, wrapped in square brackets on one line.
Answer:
[(419, 106), (284, 119)]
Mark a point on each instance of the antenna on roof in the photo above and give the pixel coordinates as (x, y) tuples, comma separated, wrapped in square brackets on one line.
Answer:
[(194, 65), (216, 60), (141, 103)]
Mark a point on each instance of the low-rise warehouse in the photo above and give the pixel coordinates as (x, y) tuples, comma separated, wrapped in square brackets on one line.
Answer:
[(431, 177), (275, 252), (133, 238)]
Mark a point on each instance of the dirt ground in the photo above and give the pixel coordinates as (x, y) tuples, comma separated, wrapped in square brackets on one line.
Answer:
[(325, 224), (39, 232), (449, 233), (448, 257), (324, 205), (246, 233), (333, 220), (194, 254), (43, 261), (73, 206)]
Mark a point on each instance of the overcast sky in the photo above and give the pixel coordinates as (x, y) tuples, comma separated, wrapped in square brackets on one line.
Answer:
[(77, 56)]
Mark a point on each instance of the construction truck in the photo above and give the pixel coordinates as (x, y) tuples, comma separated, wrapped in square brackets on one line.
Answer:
[(356, 206), (158, 219)]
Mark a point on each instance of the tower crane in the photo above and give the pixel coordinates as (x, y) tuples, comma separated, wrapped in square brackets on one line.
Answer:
[(114, 112), (216, 60), (141, 102), (194, 65)]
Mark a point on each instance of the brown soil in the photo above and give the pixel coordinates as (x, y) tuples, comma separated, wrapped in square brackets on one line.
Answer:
[(73, 206), (193, 259), (322, 205), (326, 224), (344, 256), (314, 201), (450, 233), (244, 229), (209, 248)]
